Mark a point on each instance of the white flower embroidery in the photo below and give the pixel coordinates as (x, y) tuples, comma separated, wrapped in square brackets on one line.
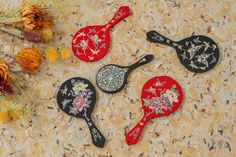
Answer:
[(79, 87)]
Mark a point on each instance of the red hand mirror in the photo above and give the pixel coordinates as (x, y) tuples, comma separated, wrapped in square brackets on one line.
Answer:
[(92, 42), (160, 96)]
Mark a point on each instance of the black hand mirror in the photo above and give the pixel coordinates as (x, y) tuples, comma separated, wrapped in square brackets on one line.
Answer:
[(112, 78), (197, 53), (77, 97)]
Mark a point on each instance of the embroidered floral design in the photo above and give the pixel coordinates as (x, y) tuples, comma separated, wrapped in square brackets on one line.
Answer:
[(81, 97), (171, 95), (111, 78), (96, 134), (64, 90), (65, 102), (80, 103), (79, 87), (164, 101)]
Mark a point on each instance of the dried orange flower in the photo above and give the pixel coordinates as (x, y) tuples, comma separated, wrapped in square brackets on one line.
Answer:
[(32, 16), (4, 75), (36, 23), (29, 59)]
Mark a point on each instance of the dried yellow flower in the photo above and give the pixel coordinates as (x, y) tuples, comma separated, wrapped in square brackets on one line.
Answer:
[(4, 116), (8, 113), (47, 34), (65, 53), (51, 54), (29, 59)]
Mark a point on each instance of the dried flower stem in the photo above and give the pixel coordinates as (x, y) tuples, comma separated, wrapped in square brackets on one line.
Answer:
[(11, 31), (7, 20)]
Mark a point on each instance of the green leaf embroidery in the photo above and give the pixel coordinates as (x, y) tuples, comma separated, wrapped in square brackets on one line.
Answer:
[(146, 102), (159, 111), (96, 135)]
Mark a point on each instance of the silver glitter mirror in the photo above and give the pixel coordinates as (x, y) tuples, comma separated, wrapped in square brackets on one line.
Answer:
[(112, 78)]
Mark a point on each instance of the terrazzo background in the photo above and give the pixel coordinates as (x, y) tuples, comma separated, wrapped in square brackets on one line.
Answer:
[(203, 126)]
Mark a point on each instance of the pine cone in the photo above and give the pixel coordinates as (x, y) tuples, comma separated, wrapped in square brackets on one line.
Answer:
[(4, 75)]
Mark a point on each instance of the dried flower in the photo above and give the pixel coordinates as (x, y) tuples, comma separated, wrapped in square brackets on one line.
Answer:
[(34, 24), (8, 112), (32, 17), (47, 34), (65, 53), (48, 21), (51, 54), (4, 116), (9, 90), (29, 59), (4, 75), (22, 104), (32, 36)]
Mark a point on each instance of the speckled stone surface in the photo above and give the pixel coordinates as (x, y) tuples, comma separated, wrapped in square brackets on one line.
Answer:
[(203, 126)]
